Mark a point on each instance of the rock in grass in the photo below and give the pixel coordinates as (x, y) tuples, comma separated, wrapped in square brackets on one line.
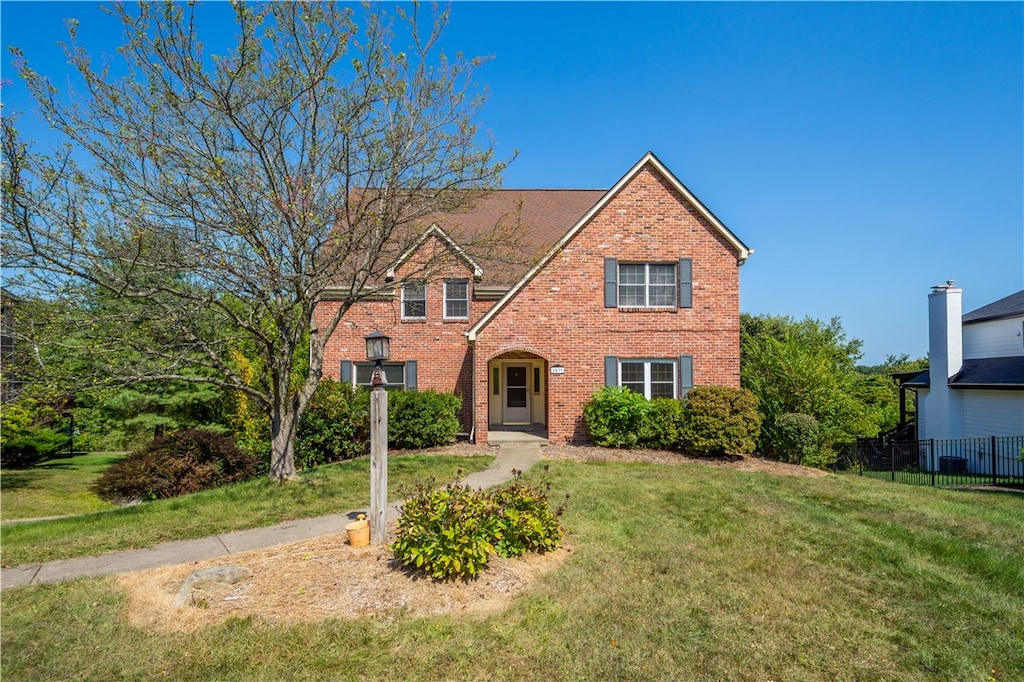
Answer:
[(204, 581)]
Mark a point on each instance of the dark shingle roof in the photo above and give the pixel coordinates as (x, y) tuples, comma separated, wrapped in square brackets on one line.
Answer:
[(1004, 307), (921, 380), (544, 215), (532, 219), (991, 373), (980, 373)]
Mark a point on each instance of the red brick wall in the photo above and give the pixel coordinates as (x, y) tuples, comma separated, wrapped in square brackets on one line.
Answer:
[(562, 309), (439, 346), (561, 312)]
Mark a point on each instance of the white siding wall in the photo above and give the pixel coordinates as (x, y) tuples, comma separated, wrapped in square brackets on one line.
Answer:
[(923, 423), (995, 338), (993, 413)]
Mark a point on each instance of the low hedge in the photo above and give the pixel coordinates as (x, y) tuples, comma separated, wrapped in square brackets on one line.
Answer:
[(709, 421)]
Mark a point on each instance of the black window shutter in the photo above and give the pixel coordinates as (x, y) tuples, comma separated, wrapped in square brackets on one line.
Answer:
[(685, 282), (410, 376), (346, 371), (611, 282), (611, 370), (685, 374)]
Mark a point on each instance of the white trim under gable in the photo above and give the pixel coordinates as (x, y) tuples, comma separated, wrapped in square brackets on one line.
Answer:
[(435, 231), (743, 251)]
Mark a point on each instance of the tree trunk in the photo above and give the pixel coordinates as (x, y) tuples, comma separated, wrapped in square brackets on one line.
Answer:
[(282, 445)]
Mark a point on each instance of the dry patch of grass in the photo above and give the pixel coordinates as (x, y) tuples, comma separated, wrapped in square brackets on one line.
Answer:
[(738, 462), (325, 578)]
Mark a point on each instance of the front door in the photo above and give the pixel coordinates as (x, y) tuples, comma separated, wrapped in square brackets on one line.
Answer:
[(516, 408)]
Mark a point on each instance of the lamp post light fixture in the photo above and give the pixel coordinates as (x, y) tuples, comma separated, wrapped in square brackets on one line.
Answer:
[(378, 346), (378, 349)]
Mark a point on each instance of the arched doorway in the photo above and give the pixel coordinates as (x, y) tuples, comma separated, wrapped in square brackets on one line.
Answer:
[(517, 392)]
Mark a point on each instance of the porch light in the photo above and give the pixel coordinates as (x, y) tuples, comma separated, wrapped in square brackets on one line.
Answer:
[(378, 346)]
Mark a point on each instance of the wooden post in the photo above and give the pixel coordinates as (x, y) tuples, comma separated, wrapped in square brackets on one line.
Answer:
[(378, 466)]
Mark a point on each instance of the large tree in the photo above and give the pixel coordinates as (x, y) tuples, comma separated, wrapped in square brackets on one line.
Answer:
[(225, 194), (802, 367)]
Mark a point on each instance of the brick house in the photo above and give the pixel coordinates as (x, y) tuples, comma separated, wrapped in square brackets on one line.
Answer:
[(636, 286)]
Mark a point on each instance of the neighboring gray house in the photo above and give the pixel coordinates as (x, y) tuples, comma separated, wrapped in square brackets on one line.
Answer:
[(974, 386)]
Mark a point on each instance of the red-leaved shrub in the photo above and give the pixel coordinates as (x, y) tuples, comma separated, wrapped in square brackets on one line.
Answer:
[(181, 463)]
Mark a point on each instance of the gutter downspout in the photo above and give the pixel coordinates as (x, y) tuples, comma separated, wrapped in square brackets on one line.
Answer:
[(471, 346)]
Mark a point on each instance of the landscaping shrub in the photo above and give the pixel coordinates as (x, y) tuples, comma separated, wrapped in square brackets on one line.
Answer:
[(335, 425), (181, 463), (615, 417), (661, 425), (719, 420), (451, 532), (525, 521), (422, 419), (444, 533), (27, 436), (797, 438), (32, 446)]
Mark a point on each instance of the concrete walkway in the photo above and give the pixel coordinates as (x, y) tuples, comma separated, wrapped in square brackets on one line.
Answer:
[(511, 455)]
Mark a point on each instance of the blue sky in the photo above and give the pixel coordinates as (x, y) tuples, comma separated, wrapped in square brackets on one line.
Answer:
[(866, 151)]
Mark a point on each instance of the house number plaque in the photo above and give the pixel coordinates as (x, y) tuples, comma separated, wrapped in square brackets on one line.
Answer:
[(557, 369)]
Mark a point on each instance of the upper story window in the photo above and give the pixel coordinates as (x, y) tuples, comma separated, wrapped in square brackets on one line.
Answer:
[(456, 299), (648, 285), (414, 300)]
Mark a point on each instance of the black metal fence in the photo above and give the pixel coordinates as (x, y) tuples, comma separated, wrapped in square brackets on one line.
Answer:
[(992, 460)]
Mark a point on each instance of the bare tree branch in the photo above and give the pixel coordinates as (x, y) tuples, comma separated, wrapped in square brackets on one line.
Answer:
[(226, 194)]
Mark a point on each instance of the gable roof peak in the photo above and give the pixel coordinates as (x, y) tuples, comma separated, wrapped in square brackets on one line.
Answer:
[(435, 231), (742, 250)]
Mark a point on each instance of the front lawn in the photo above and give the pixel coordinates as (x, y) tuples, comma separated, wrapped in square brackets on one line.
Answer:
[(676, 572), (57, 487), (328, 489)]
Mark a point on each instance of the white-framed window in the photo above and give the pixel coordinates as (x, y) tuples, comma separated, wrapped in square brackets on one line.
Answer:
[(414, 300), (650, 378), (647, 285), (393, 371), (398, 375), (456, 299)]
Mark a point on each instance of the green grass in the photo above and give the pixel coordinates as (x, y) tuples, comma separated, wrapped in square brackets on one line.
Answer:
[(329, 489), (54, 488), (684, 572)]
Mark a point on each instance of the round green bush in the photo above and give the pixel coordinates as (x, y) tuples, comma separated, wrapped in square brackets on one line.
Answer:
[(181, 463), (34, 445), (335, 425), (798, 438), (422, 419), (719, 420), (662, 423), (615, 417)]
